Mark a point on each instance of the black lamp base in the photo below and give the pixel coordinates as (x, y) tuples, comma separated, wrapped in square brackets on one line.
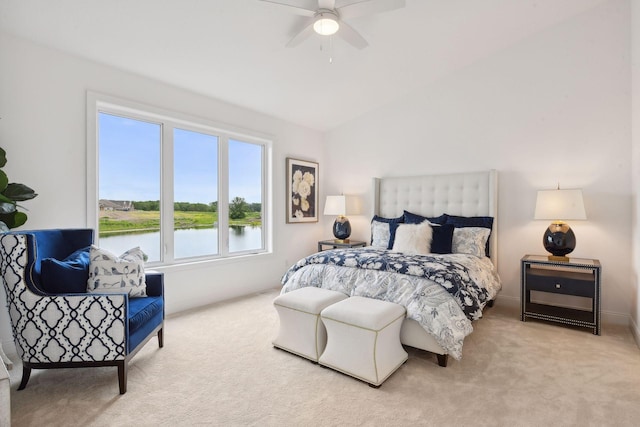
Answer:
[(342, 228), (559, 240)]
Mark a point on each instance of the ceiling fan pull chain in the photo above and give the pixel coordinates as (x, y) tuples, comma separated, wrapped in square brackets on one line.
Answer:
[(330, 49)]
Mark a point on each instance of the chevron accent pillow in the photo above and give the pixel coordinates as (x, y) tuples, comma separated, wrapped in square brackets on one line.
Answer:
[(109, 273)]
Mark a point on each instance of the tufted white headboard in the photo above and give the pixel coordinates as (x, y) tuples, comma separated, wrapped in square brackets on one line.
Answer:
[(465, 194)]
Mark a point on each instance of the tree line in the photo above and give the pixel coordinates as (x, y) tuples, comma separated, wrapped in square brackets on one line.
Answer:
[(237, 206)]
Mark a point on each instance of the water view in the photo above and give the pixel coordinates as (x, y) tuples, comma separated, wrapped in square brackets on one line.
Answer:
[(129, 197), (192, 242)]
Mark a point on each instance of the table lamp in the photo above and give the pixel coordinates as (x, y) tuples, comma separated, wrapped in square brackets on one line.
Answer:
[(337, 205), (559, 205)]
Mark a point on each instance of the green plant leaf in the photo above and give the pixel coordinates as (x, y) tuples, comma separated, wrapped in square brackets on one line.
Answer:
[(10, 194), (5, 199), (19, 192), (4, 181), (14, 219), (19, 219)]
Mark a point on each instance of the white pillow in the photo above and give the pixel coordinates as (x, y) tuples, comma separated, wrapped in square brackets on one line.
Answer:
[(470, 240), (413, 238), (117, 275), (380, 234)]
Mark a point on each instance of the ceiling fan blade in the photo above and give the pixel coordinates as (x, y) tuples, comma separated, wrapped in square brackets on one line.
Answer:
[(303, 33), (306, 9), (369, 7), (326, 4), (351, 36)]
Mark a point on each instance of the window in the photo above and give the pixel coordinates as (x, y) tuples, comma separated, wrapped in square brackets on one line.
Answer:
[(195, 193), (245, 182), (180, 188)]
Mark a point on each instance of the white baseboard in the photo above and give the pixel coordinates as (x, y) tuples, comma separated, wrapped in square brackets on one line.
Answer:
[(635, 331), (9, 347), (613, 318), (6, 361)]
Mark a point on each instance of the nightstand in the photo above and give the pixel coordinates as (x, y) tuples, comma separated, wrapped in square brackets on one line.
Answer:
[(577, 277), (340, 244)]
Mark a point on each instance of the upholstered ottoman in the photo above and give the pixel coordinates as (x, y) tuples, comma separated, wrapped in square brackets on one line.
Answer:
[(363, 338), (301, 331)]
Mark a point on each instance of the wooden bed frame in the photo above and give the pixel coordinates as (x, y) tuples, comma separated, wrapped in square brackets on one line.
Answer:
[(464, 194)]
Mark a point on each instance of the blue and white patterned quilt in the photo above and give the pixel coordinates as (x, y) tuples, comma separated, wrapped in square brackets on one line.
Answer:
[(441, 292)]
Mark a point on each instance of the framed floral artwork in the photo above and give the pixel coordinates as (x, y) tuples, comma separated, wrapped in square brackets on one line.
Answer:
[(302, 191)]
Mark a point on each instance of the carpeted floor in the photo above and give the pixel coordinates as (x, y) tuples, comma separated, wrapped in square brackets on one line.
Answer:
[(218, 368)]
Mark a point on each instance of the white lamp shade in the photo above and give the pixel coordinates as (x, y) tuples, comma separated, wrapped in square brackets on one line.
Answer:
[(560, 205), (335, 205)]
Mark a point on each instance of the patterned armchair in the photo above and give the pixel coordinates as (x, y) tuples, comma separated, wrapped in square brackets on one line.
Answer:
[(69, 330)]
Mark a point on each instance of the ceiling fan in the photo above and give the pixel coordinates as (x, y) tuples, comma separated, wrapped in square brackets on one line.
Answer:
[(326, 19)]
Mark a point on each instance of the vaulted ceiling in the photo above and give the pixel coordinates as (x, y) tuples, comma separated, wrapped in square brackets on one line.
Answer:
[(234, 50)]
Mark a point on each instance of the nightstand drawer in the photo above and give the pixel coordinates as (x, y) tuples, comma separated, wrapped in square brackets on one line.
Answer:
[(568, 283)]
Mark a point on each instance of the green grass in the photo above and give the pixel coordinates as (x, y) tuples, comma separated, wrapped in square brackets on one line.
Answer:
[(145, 221)]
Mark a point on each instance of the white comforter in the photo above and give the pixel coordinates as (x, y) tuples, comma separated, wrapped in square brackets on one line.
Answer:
[(437, 310)]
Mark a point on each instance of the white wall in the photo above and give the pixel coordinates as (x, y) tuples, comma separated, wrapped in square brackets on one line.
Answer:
[(552, 108), (43, 130), (635, 126)]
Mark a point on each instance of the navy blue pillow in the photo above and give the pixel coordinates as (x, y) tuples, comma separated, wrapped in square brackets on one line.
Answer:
[(68, 276), (442, 239), (473, 221), (411, 218), (470, 221), (393, 226)]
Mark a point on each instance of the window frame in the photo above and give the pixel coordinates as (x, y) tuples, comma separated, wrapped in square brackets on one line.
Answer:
[(170, 120)]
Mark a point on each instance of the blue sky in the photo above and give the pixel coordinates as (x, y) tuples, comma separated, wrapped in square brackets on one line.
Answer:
[(130, 163)]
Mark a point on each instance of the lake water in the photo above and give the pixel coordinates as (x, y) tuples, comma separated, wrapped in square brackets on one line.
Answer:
[(188, 243)]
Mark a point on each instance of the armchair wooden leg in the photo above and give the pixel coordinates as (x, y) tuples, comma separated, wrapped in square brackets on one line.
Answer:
[(26, 373), (161, 338), (122, 376)]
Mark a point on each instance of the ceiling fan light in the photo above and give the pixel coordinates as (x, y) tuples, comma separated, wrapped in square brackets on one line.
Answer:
[(325, 25)]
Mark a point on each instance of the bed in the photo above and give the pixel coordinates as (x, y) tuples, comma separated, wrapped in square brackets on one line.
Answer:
[(443, 292)]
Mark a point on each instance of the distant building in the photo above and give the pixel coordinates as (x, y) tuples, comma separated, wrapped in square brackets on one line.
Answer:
[(116, 205)]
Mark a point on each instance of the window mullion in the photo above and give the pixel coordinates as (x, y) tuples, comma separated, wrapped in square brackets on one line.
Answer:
[(166, 202), (266, 198), (223, 195)]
